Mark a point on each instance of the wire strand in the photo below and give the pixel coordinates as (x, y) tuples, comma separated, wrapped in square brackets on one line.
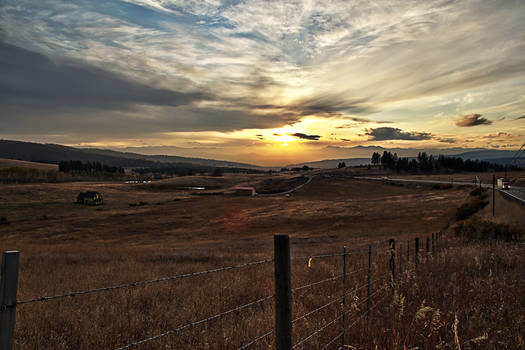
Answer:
[(195, 323), (330, 323), (255, 340), (316, 283), (141, 283), (337, 299), (317, 331), (331, 341)]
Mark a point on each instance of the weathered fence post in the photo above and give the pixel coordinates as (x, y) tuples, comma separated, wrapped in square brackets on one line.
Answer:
[(344, 298), (283, 292), (433, 243), (8, 288), (416, 254), (400, 259), (408, 251), (428, 245), (368, 283), (392, 263)]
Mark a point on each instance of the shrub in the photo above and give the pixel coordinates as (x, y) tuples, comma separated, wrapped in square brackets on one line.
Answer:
[(470, 208), (217, 172), (442, 186), (482, 230)]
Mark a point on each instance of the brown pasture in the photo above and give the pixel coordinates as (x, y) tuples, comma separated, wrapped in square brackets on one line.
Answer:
[(147, 231)]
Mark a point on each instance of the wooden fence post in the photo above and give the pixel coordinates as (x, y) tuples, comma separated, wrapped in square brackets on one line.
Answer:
[(433, 243), (8, 289), (344, 298), (400, 259), (416, 254), (392, 263), (428, 245), (368, 283), (283, 292)]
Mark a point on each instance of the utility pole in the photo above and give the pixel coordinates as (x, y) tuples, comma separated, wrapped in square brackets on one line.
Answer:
[(493, 195)]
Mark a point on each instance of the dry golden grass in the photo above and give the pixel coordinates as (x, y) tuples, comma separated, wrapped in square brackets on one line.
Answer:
[(10, 163), (65, 247)]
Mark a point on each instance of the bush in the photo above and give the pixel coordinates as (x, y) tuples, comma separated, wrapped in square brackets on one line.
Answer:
[(482, 230), (217, 172), (479, 193), (442, 186), (470, 208)]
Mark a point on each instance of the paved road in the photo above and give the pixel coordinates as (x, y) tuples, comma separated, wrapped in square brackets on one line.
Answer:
[(516, 193)]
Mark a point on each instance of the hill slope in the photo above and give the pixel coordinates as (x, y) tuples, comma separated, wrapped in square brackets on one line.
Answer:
[(53, 153)]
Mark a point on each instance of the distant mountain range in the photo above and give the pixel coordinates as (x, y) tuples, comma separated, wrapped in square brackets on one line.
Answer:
[(53, 153)]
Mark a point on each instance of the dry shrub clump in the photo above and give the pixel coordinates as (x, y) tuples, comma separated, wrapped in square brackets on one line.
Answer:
[(464, 297), (477, 229), (471, 207)]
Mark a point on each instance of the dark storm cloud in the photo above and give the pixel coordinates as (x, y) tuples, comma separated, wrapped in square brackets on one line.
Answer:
[(31, 79), (330, 105), (361, 121), (386, 133), (41, 95), (472, 120), (324, 105), (304, 136)]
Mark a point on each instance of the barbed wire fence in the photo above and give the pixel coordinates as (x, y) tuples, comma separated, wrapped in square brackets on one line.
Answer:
[(379, 275)]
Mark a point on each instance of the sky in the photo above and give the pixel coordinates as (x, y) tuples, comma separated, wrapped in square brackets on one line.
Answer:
[(263, 82)]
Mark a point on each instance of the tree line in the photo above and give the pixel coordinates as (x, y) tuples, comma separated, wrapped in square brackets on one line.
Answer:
[(429, 164), (88, 167)]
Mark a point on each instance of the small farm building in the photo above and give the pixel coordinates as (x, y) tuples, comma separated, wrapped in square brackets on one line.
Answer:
[(245, 191), (90, 198)]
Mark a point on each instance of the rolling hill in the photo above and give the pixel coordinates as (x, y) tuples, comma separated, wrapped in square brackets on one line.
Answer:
[(53, 153)]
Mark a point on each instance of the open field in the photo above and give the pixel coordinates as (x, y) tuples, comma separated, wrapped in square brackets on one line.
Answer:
[(146, 231), (9, 163)]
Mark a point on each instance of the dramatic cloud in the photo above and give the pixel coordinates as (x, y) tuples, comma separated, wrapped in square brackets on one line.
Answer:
[(304, 136), (472, 120), (358, 120), (386, 133), (447, 140), (32, 79), (499, 135), (144, 69), (522, 117)]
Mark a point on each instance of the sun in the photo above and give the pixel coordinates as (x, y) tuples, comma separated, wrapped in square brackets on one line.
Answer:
[(283, 135)]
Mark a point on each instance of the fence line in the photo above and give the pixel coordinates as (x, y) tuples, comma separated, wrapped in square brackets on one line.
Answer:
[(302, 341), (326, 325), (141, 283), (336, 300), (360, 250), (281, 266), (193, 324)]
